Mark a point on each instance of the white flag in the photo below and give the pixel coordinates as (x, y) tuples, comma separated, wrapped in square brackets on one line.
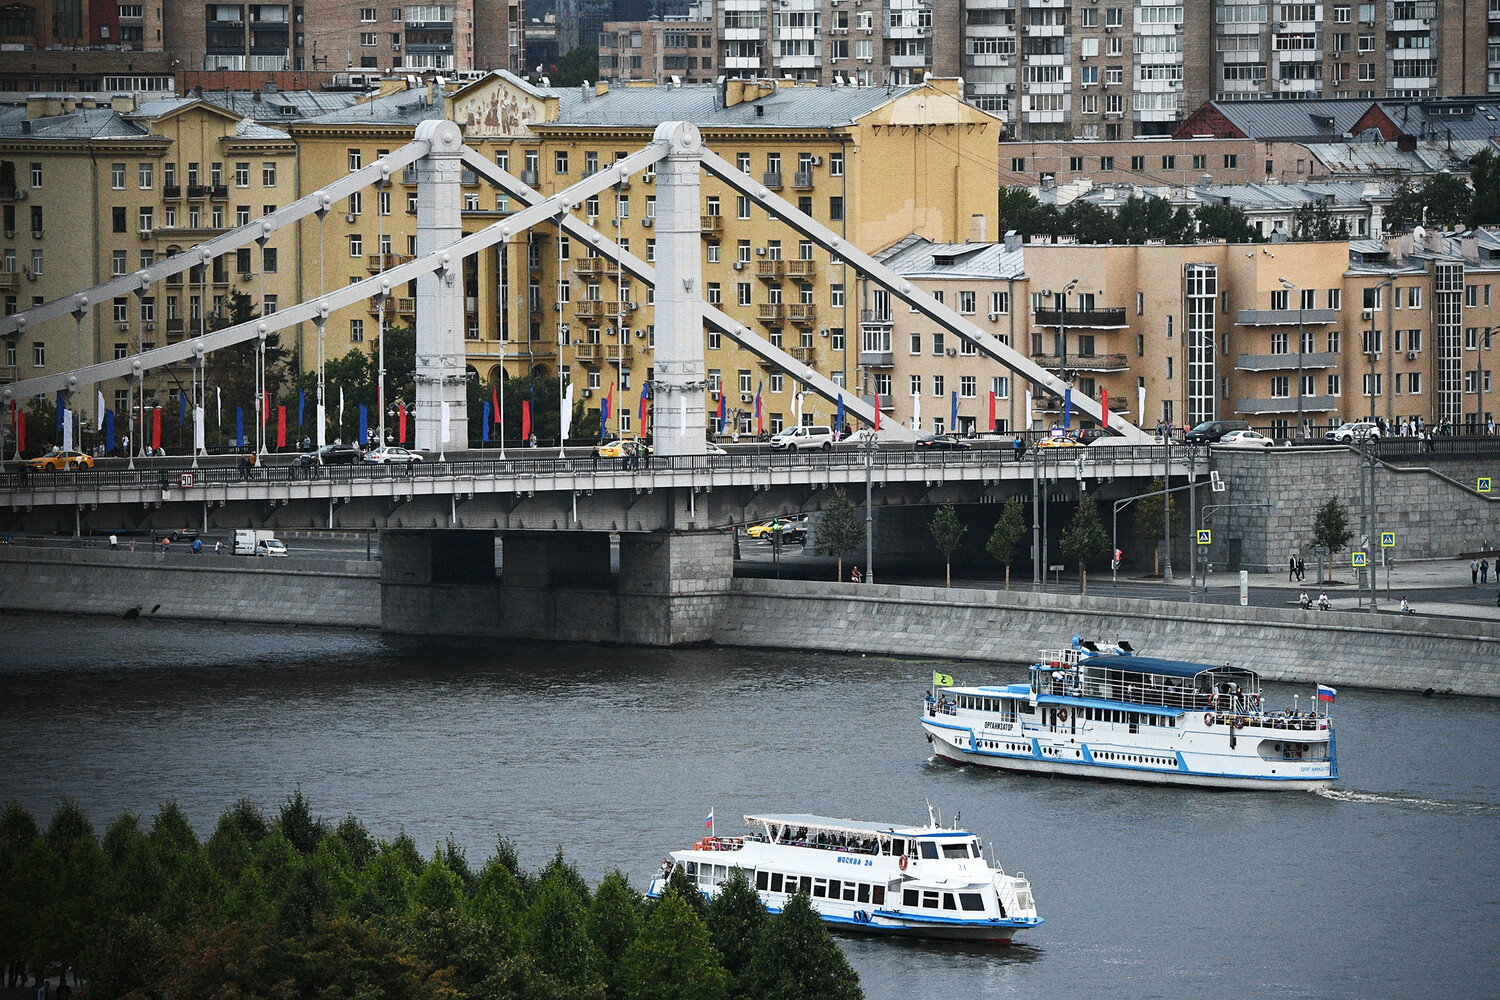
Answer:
[(682, 428), (101, 413), (1029, 418), (447, 417), (916, 412), (67, 422), (198, 429), (341, 410), (322, 426), (1140, 413), (567, 412), (219, 400)]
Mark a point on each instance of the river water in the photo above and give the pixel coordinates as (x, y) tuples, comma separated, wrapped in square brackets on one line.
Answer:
[(1387, 887)]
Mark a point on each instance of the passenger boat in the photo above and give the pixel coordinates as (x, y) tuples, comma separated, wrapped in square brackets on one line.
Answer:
[(1098, 710), (885, 878)]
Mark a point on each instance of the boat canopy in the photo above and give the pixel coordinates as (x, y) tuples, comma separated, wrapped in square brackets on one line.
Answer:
[(1152, 665), (848, 827)]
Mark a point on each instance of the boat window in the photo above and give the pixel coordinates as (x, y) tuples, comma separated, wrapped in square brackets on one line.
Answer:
[(806, 884), (929, 900), (971, 901), (692, 868), (1027, 708), (955, 850), (849, 890), (974, 849), (909, 897), (833, 889), (948, 903), (877, 895), (929, 849), (775, 882), (721, 873), (864, 892), (820, 888), (898, 846), (763, 881)]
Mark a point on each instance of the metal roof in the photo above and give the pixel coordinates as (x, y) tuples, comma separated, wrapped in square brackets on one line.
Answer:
[(85, 123), (405, 107), (788, 107), (918, 257), (281, 105), (852, 827), (1294, 119), (1152, 665)]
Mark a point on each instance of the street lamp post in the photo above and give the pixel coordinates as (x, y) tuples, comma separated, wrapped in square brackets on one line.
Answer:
[(1300, 344), (869, 508)]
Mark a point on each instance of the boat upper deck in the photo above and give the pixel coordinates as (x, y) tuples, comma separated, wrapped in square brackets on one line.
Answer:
[(1144, 680)]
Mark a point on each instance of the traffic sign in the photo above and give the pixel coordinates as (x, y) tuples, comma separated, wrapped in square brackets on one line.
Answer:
[(1484, 484), (185, 480), (1205, 536), (1359, 559), (1387, 539)]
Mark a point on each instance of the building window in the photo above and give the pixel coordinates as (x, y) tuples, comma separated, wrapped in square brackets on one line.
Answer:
[(835, 209), (356, 245), (116, 176), (356, 160)]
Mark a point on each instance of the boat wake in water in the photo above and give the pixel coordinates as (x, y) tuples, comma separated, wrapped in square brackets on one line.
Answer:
[(1408, 801)]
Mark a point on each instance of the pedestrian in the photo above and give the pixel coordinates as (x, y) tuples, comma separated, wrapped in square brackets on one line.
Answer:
[(132, 545), (244, 467), (532, 443), (125, 444), (219, 548), (1474, 572), (166, 543), (1018, 447), (1484, 570), (595, 454), (197, 546), (854, 575), (1301, 568), (114, 544), (1291, 567)]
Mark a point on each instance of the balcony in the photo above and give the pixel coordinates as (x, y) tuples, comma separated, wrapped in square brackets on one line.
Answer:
[(620, 352), (589, 352), (806, 355), (175, 327), (590, 309), (1085, 362), (528, 177), (770, 312), (197, 191), (589, 265), (406, 307), (1283, 362), (218, 192), (770, 270), (887, 402), (1286, 317), (385, 261), (874, 317), (710, 225), (171, 192), (877, 359), (1286, 404), (802, 314), (802, 180), (801, 268), (1098, 319), (771, 179)]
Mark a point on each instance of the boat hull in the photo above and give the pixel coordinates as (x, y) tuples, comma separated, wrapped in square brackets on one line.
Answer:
[(1032, 765)]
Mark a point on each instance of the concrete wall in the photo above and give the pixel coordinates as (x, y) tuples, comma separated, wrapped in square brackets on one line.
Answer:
[(287, 591), (1461, 657)]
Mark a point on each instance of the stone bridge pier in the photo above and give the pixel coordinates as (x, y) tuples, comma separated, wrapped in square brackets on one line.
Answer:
[(556, 584)]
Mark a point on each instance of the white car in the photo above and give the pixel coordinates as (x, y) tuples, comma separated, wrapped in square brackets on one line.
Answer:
[(1354, 432), (803, 439), (270, 547), (391, 455), (1245, 439)]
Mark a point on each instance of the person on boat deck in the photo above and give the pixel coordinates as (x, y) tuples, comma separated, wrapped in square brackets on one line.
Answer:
[(929, 699)]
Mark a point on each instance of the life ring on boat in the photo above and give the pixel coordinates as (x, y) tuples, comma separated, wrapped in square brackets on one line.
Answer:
[(1213, 702), (902, 862), (1208, 718), (1062, 715), (1239, 722)]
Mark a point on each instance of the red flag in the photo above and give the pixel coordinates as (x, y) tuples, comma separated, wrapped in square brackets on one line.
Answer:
[(265, 408), (20, 427), (525, 420), (609, 401), (401, 416), (281, 426), (495, 399), (992, 411), (1106, 407), (155, 427), (877, 412)]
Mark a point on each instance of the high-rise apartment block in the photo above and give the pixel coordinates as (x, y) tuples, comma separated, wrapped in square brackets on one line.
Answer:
[(670, 51)]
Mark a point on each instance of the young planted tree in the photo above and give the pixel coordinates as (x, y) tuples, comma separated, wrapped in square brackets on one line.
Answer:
[(947, 531), (1009, 531), (840, 529), (1084, 539), (1148, 516), (1331, 530)]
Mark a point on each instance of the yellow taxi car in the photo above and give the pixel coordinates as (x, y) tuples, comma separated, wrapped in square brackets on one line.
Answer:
[(617, 448), (791, 531), (58, 460), (1069, 441)]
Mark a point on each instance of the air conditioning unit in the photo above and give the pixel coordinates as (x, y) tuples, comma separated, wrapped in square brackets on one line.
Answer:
[(593, 219), (648, 222), (150, 326), (952, 353), (739, 265), (557, 306), (817, 161), (760, 251), (246, 276), (1367, 314), (124, 327), (747, 397), (649, 176), (994, 317), (145, 234), (588, 393), (1411, 355), (348, 216), (629, 306)]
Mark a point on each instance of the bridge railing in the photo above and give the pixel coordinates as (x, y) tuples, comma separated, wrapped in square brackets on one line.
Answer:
[(523, 465)]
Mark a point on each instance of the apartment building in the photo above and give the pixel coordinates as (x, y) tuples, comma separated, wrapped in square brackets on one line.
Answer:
[(89, 192), (1397, 329), (661, 52)]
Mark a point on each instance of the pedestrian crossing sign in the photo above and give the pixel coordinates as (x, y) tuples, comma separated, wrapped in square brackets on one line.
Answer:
[(1387, 539), (1359, 560), (1484, 484), (1205, 536)]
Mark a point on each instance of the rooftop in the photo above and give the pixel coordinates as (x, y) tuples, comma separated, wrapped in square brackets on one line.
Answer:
[(918, 257), (847, 826)]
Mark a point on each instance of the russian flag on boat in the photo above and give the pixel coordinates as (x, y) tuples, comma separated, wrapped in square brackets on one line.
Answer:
[(1326, 693), (708, 824)]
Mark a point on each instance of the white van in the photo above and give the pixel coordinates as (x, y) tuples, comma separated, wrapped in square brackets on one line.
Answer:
[(803, 439)]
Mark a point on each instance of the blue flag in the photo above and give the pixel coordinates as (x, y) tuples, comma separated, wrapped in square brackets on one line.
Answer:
[(181, 409), (59, 412), (603, 418), (953, 423), (301, 403), (109, 430), (364, 426), (239, 426), (484, 425), (1068, 407), (838, 421)]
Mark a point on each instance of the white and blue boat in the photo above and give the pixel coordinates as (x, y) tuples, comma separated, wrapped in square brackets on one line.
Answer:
[(1097, 710), (880, 878)]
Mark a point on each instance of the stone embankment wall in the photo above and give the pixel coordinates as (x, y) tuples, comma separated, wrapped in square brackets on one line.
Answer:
[(288, 591), (1408, 654)]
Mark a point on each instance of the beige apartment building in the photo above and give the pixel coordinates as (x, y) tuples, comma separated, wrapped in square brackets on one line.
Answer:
[(658, 51)]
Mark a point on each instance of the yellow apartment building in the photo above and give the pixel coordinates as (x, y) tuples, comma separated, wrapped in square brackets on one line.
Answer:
[(92, 191)]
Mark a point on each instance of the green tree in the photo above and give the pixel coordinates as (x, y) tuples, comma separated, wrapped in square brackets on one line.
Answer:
[(576, 67), (797, 959), (1084, 539), (840, 529), (1154, 218), (1331, 529), (1015, 210), (682, 884), (1148, 514), (1484, 173), (672, 957), (557, 937), (1315, 221), (1089, 223), (1440, 200), (947, 530), (1010, 528), (232, 370), (736, 918), (1224, 222), (613, 922)]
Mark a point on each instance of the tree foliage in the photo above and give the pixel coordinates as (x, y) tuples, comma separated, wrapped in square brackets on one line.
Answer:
[(1484, 174), (1331, 526), (576, 67), (1440, 200), (1135, 221), (840, 529), (792, 961), (1084, 540), (947, 531), (1314, 221), (1010, 528), (296, 908), (1148, 513)]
